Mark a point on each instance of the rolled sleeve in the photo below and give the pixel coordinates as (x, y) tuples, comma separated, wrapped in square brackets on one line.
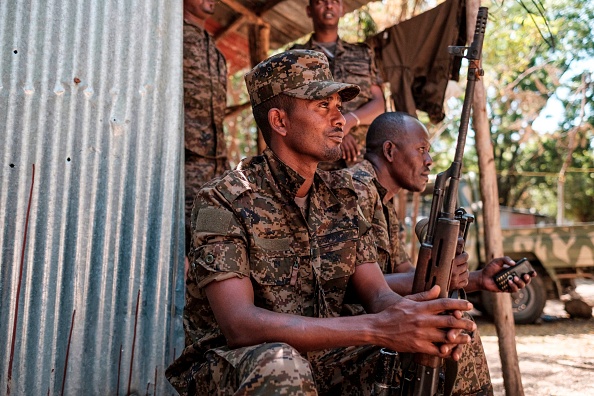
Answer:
[(366, 248), (374, 217), (219, 247), (220, 261)]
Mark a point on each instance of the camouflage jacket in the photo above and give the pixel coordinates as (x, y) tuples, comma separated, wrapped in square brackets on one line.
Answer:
[(353, 64), (386, 225), (205, 93), (247, 224)]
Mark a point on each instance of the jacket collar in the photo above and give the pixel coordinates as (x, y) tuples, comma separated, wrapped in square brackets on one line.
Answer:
[(289, 181)]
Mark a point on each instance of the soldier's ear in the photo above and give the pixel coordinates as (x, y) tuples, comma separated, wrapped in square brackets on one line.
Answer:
[(389, 150), (278, 121)]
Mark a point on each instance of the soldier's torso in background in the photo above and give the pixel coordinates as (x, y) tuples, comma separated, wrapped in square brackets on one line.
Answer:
[(205, 93)]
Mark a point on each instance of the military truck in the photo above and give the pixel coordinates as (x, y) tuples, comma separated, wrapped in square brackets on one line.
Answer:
[(559, 253)]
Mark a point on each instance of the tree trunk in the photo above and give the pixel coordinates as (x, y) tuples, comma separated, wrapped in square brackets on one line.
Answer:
[(571, 146), (503, 315)]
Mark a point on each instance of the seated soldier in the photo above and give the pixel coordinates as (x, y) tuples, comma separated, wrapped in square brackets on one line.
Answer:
[(398, 157), (275, 244)]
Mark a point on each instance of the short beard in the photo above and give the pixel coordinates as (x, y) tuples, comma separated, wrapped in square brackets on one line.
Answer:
[(332, 154)]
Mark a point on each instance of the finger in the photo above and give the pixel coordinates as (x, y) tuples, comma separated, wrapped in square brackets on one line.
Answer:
[(446, 349), (528, 277), (460, 245), (455, 331), (456, 336), (428, 295), (463, 279), (461, 259), (349, 151), (457, 352), (507, 260), (432, 349), (453, 351), (519, 282), (513, 287), (449, 304), (352, 154)]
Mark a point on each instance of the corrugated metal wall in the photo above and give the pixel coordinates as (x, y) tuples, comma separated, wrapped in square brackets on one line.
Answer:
[(91, 138)]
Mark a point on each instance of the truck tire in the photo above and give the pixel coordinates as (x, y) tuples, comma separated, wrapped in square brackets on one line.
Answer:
[(527, 304)]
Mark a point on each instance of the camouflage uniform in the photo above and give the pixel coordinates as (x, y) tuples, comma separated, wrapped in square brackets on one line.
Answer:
[(205, 99), (473, 376), (353, 64), (247, 224)]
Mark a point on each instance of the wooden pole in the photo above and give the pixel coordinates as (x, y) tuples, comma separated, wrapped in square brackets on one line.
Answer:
[(503, 315), (259, 42)]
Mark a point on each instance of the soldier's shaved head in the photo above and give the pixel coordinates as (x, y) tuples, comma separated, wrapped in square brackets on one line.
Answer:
[(398, 147), (387, 126)]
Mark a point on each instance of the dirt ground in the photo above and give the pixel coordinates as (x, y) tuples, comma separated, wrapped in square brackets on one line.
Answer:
[(556, 355)]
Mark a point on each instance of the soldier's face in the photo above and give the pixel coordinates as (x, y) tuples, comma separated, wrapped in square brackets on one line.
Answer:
[(314, 129), (325, 12), (202, 9), (411, 167)]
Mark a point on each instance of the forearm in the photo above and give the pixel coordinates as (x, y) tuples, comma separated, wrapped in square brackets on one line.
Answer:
[(365, 114), (242, 323), (474, 282), (303, 333), (401, 283)]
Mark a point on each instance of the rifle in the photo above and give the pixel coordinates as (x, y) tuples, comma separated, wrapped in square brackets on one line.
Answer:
[(439, 233)]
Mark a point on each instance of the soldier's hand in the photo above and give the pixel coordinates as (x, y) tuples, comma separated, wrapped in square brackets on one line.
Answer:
[(460, 273), (496, 265), (421, 325), (349, 147)]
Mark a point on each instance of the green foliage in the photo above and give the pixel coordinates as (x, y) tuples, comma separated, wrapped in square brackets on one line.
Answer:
[(357, 26), (524, 70)]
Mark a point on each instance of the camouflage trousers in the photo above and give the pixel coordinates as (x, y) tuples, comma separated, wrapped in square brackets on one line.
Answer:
[(469, 376), (198, 171), (277, 368), (473, 376)]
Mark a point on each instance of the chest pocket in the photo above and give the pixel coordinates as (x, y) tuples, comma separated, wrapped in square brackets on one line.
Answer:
[(357, 68), (357, 72), (272, 261), (338, 254)]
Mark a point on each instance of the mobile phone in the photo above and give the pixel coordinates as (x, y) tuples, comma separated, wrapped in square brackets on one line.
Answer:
[(502, 277)]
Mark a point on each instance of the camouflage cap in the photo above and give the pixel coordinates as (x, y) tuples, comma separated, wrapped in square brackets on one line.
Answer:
[(301, 74)]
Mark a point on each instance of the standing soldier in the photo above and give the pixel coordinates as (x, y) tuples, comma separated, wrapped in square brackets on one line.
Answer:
[(205, 98), (349, 63)]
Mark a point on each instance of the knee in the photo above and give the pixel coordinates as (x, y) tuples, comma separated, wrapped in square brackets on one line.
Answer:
[(279, 354), (279, 366)]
